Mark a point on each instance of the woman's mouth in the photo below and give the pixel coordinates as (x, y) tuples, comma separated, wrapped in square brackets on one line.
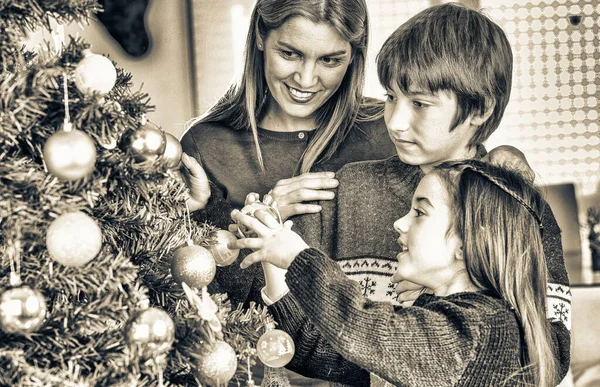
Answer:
[(300, 96)]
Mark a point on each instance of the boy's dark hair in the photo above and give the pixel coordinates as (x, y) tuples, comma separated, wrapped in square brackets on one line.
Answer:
[(454, 48)]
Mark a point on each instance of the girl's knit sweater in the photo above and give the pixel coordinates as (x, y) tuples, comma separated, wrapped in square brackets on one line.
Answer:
[(464, 339)]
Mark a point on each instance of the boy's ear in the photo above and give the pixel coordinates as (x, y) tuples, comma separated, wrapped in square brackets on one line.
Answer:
[(479, 119)]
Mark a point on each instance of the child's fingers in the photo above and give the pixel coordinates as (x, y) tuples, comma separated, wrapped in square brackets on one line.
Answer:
[(251, 259), (233, 228), (249, 221), (251, 198), (267, 219), (246, 243)]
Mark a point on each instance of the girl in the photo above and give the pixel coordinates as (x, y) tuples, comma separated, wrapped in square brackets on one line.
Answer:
[(474, 238)]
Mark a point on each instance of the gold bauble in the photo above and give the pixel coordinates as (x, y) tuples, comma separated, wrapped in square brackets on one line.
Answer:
[(22, 310), (216, 363), (70, 155), (193, 265), (73, 239), (222, 255), (95, 73)]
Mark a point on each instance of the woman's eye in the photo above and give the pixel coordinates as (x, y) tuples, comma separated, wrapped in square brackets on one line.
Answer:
[(418, 212), (331, 61), (288, 54)]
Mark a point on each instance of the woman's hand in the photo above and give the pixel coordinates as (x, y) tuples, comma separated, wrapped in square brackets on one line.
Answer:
[(511, 158), (273, 243), (291, 194), (197, 182)]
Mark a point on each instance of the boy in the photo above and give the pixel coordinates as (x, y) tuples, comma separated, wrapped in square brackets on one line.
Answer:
[(447, 72)]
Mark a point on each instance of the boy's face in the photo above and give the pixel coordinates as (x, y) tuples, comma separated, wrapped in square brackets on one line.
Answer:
[(429, 252), (419, 125)]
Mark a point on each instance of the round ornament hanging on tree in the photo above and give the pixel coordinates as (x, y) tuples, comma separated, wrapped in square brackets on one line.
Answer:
[(152, 330), (222, 255), (70, 154), (95, 74), (216, 364), (22, 310), (146, 143), (275, 348), (173, 151), (193, 265), (73, 239)]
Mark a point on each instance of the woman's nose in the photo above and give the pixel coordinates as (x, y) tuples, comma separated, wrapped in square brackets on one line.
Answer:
[(306, 75)]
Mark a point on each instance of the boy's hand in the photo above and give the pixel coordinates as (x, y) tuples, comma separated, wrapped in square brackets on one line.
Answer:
[(291, 194), (407, 291), (197, 182), (274, 243), (511, 158)]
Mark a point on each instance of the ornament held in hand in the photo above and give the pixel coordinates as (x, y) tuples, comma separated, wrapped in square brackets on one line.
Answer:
[(70, 154), (152, 330), (222, 255), (146, 143), (173, 151), (73, 239), (216, 364), (193, 265), (22, 310), (95, 74), (275, 348)]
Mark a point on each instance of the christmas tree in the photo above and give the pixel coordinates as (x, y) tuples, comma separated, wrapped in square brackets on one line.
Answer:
[(98, 248)]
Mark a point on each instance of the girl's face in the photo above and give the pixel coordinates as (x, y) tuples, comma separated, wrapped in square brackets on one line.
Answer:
[(305, 63), (430, 256)]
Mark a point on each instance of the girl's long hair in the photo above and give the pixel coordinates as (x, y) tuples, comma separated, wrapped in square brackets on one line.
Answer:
[(243, 105), (498, 219)]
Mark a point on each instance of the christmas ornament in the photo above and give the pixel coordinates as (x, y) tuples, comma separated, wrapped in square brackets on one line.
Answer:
[(151, 330), (275, 348), (216, 363), (22, 310), (222, 255), (95, 74), (173, 151), (70, 154), (73, 239), (146, 143), (250, 209), (193, 265)]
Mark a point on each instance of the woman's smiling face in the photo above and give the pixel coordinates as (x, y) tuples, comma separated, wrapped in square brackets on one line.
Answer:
[(305, 63)]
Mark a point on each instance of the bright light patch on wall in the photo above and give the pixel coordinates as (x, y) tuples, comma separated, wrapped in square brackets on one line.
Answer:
[(240, 19)]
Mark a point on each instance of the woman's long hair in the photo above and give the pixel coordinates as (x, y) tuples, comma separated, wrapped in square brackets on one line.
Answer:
[(242, 106), (498, 218)]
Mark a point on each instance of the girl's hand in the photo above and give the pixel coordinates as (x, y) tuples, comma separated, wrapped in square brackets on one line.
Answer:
[(274, 243), (511, 158), (196, 181), (291, 194)]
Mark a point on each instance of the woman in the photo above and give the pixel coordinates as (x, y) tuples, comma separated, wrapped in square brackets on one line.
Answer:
[(296, 115), (298, 107)]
